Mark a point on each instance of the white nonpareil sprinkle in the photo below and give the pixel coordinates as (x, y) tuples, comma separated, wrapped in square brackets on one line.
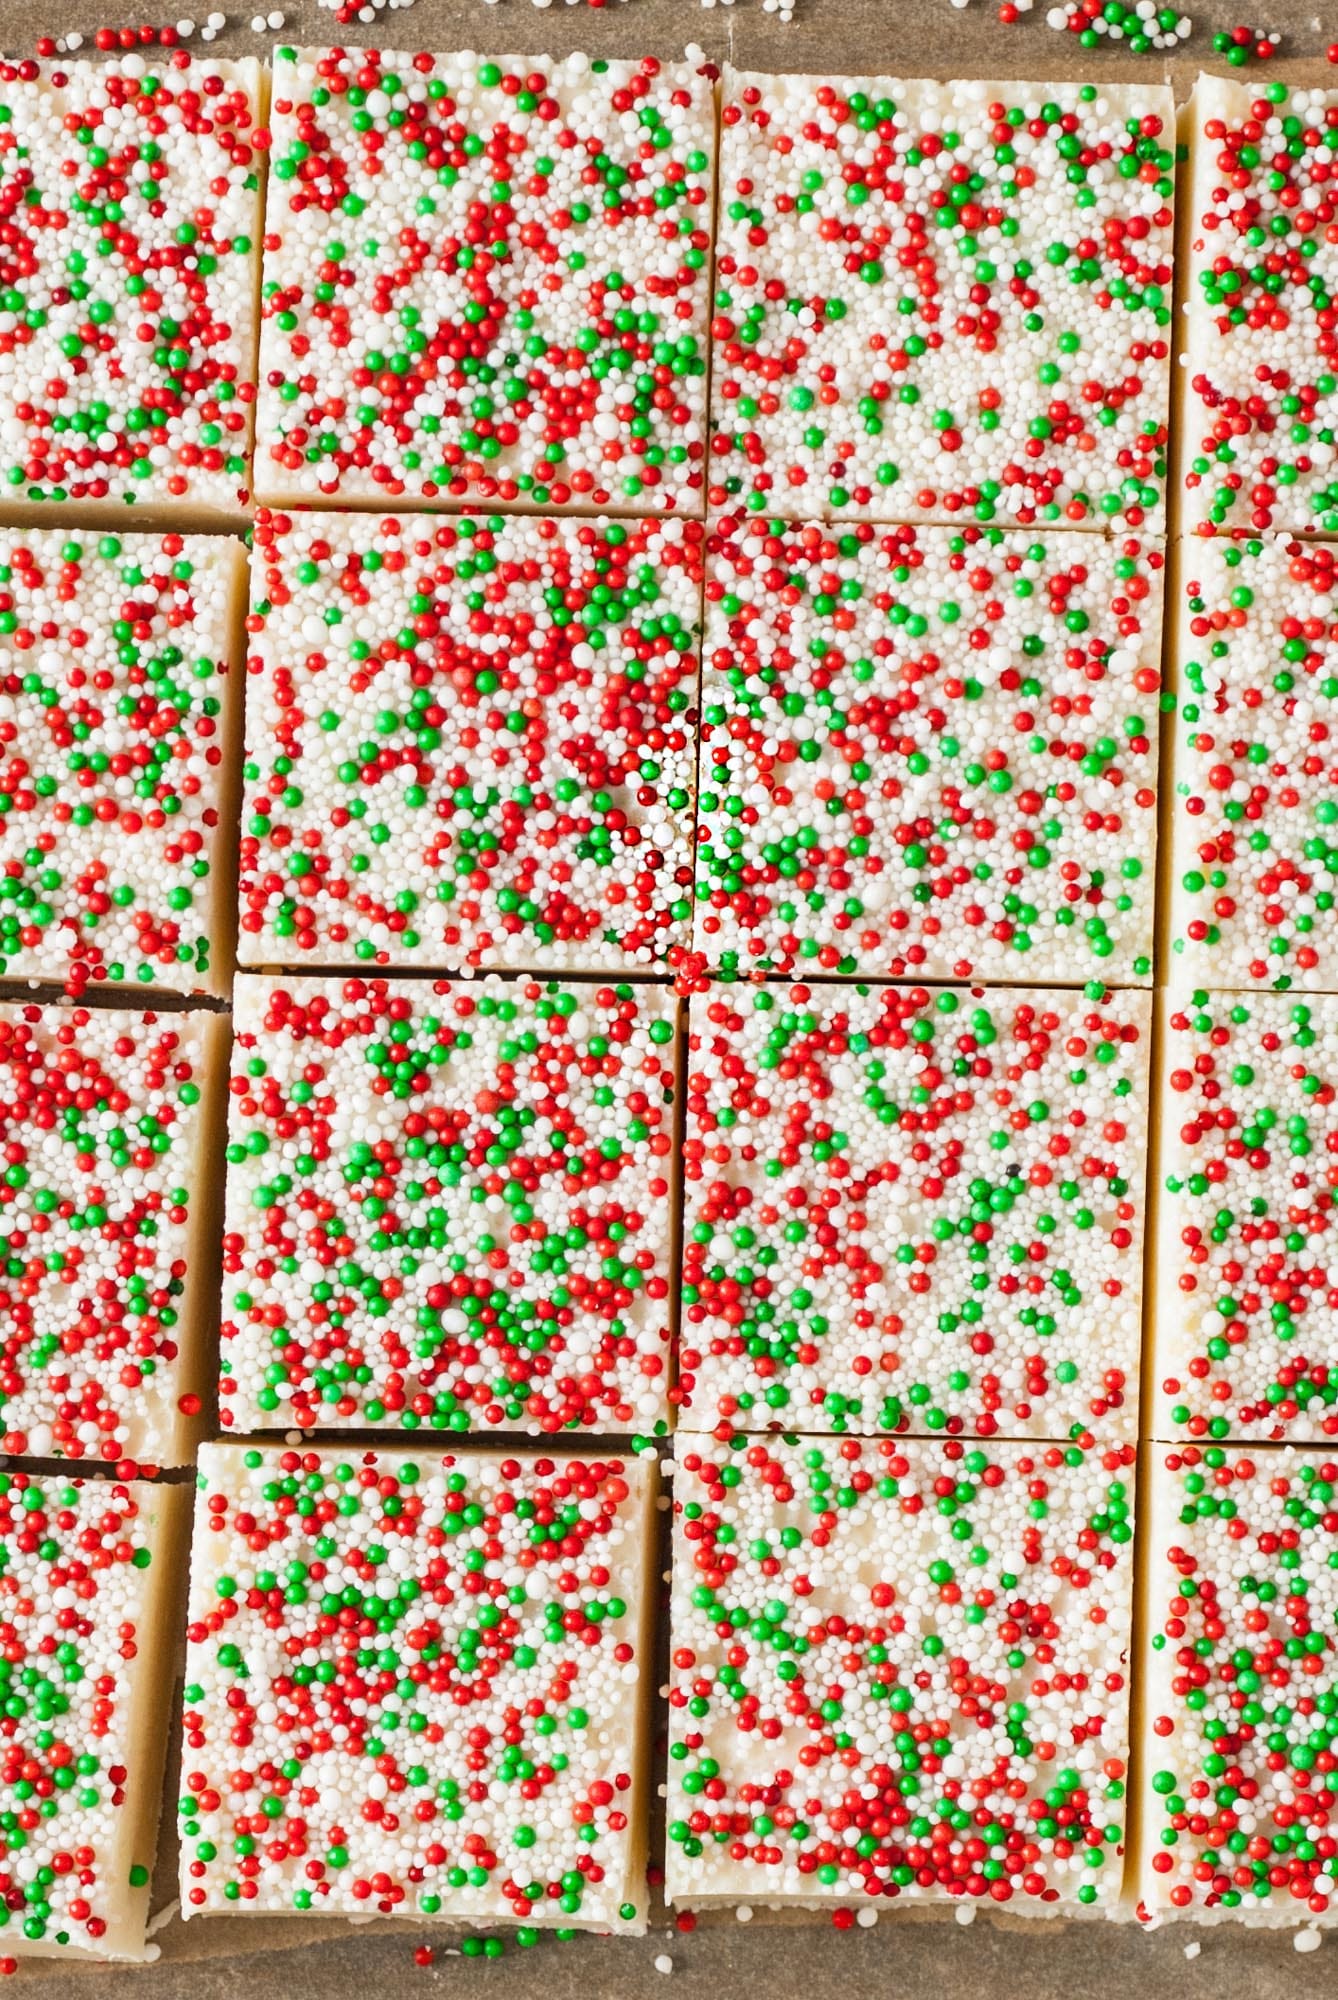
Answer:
[(467, 1731)]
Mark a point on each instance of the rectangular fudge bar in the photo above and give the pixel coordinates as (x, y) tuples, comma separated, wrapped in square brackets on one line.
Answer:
[(943, 300), (899, 1673), (470, 742), (109, 1217), (128, 284), (1253, 865), (909, 1211), (928, 752), (119, 736), (486, 280), (89, 1603), (1259, 388), (1245, 1335), (438, 1666), (1241, 1594), (449, 1207)]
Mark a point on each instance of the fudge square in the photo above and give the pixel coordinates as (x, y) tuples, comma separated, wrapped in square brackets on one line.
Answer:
[(943, 299), (449, 1207), (88, 1629), (909, 1211), (486, 281), (1240, 1694), (128, 282), (928, 752), (419, 1686), (1259, 391), (470, 742), (899, 1671), (1253, 874), (117, 738), (1245, 1336), (110, 1123)]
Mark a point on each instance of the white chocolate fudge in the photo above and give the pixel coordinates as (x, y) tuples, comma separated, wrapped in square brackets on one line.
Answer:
[(119, 737), (450, 1207), (486, 280), (943, 300), (910, 1210), (89, 1602), (128, 284), (899, 1674), (439, 1664)]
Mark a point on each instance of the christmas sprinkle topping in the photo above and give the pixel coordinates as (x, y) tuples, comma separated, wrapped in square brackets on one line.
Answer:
[(1247, 1341), (448, 1206), (941, 300), (103, 1126), (470, 742), (928, 752), (113, 669), (129, 211), (899, 1671), (1254, 847), (414, 1687), (80, 1600), (486, 281), (1262, 343), (1240, 1807), (912, 1211)]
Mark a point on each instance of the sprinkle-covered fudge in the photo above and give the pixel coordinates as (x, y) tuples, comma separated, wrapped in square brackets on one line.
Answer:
[(928, 752), (1246, 1338), (470, 742), (1238, 1809), (117, 804), (449, 1207), (911, 1211), (129, 265), (1253, 875), (1259, 387), (899, 1671), (108, 1217), (88, 1613), (939, 300), (417, 1686), (486, 280)]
